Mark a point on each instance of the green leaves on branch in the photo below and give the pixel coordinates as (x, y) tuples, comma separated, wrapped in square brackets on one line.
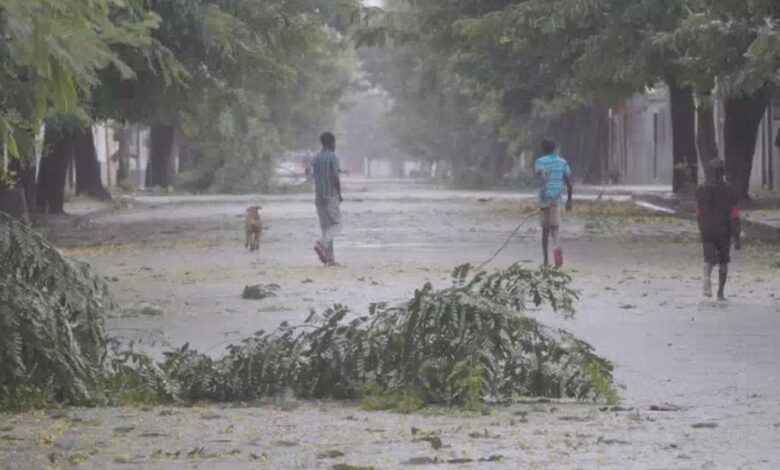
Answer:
[(52, 341), (470, 342), (54, 50), (527, 64), (467, 344)]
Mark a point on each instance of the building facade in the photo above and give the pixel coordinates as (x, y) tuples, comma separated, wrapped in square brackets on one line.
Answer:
[(107, 146), (766, 163), (641, 146)]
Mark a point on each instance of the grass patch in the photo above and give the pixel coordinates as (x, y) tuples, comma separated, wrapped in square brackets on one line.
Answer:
[(605, 210), (376, 398), (768, 213)]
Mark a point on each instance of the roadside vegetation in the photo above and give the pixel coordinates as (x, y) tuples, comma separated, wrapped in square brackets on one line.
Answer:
[(466, 345), (228, 86), (477, 83)]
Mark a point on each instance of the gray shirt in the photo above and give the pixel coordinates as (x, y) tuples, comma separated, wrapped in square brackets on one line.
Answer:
[(325, 170)]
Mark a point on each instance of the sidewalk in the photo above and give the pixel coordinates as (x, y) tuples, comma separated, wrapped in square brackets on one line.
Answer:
[(761, 216), (765, 222)]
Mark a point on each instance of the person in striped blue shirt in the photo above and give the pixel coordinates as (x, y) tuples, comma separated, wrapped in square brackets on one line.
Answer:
[(554, 175), (325, 171)]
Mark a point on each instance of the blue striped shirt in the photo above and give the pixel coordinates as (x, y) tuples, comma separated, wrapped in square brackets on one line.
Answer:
[(325, 169), (554, 169)]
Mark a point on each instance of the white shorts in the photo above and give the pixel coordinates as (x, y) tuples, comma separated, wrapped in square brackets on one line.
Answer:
[(550, 215)]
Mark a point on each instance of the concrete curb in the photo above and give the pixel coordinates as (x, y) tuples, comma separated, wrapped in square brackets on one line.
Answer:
[(759, 229), (686, 208)]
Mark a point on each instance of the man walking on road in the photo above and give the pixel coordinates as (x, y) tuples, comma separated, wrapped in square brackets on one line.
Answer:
[(327, 184), (719, 222), (554, 174)]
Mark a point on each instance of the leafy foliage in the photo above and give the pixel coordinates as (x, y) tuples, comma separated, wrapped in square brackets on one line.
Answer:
[(464, 345), (53, 52), (241, 131), (511, 71), (242, 81), (470, 342), (52, 340), (273, 76)]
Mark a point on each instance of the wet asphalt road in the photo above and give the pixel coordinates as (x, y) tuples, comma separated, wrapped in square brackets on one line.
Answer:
[(638, 274)]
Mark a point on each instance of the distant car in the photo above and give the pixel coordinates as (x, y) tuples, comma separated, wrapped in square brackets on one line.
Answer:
[(291, 172)]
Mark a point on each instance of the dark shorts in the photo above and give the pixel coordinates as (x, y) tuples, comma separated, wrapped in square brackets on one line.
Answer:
[(717, 252)]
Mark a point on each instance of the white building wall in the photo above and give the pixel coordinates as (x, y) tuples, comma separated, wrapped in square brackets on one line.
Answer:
[(766, 160), (379, 168), (641, 140), (641, 145), (106, 146), (138, 166)]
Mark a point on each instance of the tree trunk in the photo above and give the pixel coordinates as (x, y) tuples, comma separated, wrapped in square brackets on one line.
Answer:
[(25, 182), (161, 165), (124, 138), (565, 134), (57, 153), (186, 155), (706, 142), (602, 145), (743, 118), (598, 149), (19, 201), (13, 201), (88, 178), (685, 176), (17, 195), (498, 156), (582, 138), (461, 152)]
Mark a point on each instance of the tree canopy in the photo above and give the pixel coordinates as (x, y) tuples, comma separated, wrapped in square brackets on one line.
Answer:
[(519, 68), (237, 78), (53, 52), (474, 82)]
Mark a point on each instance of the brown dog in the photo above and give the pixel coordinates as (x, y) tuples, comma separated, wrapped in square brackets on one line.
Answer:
[(254, 228)]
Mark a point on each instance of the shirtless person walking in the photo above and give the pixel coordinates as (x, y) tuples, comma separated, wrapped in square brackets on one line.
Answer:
[(719, 224)]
